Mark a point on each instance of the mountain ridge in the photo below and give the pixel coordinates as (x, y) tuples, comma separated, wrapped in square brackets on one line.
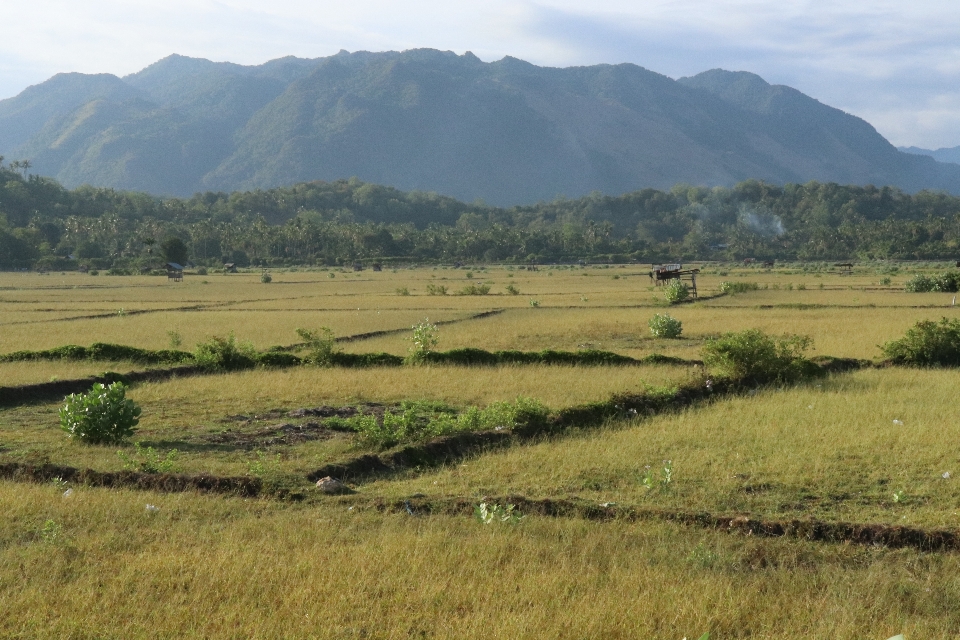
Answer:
[(507, 132)]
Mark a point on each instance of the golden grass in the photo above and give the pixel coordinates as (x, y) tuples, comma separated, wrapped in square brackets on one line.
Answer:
[(176, 412), (829, 450), (854, 333), (225, 568), (263, 328), (209, 566)]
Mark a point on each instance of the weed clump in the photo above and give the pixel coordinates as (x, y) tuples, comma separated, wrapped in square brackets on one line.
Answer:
[(104, 415), (662, 325), (417, 421), (146, 460), (927, 344), (753, 357)]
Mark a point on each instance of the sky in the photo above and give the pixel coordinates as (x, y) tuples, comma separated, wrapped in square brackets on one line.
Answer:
[(895, 64)]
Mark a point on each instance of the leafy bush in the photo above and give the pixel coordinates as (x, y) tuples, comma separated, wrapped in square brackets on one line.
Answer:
[(424, 340), (946, 282), (663, 326), (512, 290), (103, 415), (403, 291), (474, 290), (436, 290), (752, 356), (733, 288), (676, 291), (202, 271), (322, 346), (224, 354), (927, 343), (265, 277), (919, 283)]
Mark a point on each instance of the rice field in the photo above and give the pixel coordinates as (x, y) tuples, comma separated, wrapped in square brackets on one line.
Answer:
[(877, 446)]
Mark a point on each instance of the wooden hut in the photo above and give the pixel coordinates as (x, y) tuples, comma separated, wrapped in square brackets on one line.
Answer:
[(174, 272)]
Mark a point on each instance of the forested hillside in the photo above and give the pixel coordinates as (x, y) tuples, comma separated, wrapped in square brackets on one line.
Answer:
[(42, 224), (507, 132)]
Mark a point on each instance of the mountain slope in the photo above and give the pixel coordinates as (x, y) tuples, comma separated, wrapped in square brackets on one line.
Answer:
[(508, 131)]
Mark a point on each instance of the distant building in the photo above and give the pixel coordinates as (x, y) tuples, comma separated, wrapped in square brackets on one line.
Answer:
[(174, 271)]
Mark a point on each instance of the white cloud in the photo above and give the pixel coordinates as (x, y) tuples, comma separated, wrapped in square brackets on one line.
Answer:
[(895, 64)]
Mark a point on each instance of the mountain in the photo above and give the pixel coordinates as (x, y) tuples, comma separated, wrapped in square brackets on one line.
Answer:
[(945, 154), (507, 132)]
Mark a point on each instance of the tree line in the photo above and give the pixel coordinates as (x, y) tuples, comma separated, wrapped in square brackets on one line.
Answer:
[(44, 225)]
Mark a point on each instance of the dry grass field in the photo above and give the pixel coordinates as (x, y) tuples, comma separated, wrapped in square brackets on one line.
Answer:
[(877, 446)]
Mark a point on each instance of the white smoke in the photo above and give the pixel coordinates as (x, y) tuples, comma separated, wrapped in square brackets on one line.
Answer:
[(761, 221)]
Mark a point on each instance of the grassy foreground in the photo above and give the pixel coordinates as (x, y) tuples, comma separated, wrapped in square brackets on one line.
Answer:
[(96, 564)]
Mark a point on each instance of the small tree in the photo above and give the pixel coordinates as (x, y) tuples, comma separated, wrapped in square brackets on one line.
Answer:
[(424, 340), (103, 415)]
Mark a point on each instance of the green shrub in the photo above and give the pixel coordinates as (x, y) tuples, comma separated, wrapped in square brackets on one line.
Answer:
[(663, 326), (403, 291), (321, 344), (224, 354), (103, 415), (946, 282), (733, 288), (927, 343), (474, 290), (676, 292), (919, 283), (436, 290), (752, 356), (266, 277), (511, 289)]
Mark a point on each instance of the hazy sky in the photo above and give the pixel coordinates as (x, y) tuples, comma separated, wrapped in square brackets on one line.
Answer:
[(894, 63)]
